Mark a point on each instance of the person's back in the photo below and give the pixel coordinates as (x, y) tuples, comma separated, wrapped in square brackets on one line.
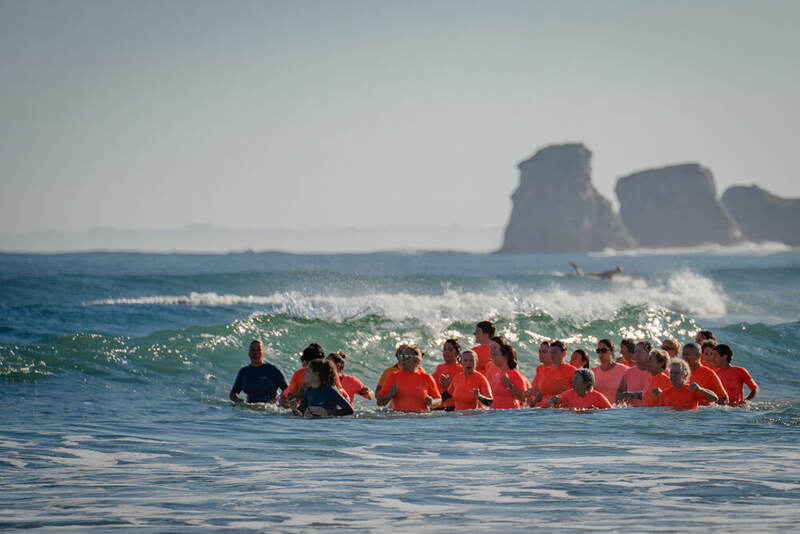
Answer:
[(328, 397)]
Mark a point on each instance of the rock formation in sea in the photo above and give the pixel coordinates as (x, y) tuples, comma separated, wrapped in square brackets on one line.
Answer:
[(557, 209), (763, 216), (675, 206)]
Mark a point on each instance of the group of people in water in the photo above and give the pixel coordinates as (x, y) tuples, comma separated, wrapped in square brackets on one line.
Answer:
[(487, 376)]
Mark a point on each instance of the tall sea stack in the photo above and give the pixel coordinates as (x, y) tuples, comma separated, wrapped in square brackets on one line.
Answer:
[(675, 206), (557, 209), (763, 216)]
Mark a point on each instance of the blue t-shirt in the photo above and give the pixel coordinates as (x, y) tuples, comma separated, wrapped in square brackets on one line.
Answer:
[(260, 383), (329, 398)]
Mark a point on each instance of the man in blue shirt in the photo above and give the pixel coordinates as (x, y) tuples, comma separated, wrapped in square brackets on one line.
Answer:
[(260, 380)]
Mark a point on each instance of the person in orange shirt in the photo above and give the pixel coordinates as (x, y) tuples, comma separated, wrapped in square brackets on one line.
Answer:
[(470, 390), (445, 372), (733, 378), (659, 379), (351, 385), (582, 396), (484, 332), (700, 338), (297, 384), (682, 396), (541, 370), (608, 374), (508, 385), (635, 378), (579, 359), (707, 353), (704, 376), (557, 379), (409, 389), (627, 350), (394, 368), (495, 349)]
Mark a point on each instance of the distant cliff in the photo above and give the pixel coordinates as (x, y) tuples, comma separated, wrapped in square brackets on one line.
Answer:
[(557, 209), (675, 206), (763, 216)]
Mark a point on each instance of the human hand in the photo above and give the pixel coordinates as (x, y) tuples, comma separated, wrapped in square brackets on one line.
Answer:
[(445, 381), (476, 392), (428, 401), (506, 381), (554, 400)]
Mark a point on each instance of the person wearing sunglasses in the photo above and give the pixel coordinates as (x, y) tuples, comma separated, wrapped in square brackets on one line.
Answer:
[(410, 389), (608, 375)]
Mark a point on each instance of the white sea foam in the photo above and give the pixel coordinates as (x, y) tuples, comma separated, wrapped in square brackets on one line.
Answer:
[(683, 291), (715, 249)]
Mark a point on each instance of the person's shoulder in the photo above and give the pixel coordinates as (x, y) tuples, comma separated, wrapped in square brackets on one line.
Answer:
[(569, 367)]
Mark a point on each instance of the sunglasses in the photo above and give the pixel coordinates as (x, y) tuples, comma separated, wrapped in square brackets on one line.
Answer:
[(602, 349)]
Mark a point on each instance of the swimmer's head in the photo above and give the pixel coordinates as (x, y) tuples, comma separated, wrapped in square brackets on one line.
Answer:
[(314, 351), (256, 352), (583, 381), (691, 353), (679, 372), (579, 359), (469, 360), (324, 370), (451, 351), (657, 361), (338, 359)]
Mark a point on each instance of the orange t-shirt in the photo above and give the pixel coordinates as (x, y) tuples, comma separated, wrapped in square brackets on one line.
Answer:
[(453, 370), (732, 379), (352, 386), (297, 380), (593, 399), (503, 399), (491, 370), (483, 357), (461, 390), (635, 380), (541, 371), (385, 374), (681, 399), (607, 382), (412, 388), (708, 379), (555, 381), (660, 380)]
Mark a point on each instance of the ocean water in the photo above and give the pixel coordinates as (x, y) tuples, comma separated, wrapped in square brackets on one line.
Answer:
[(116, 368)]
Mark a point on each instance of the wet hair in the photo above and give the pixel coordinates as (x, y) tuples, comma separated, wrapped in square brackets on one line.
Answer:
[(456, 345), (560, 344), (673, 342), (486, 327), (500, 340), (325, 371), (707, 335), (413, 350), (314, 351), (661, 356), (692, 347), (510, 354), (608, 343), (708, 343), (628, 344), (584, 357), (647, 346), (677, 362), (337, 358), (587, 375), (724, 350)]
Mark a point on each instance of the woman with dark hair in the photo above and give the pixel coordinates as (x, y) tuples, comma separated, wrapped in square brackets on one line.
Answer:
[(608, 375), (508, 386), (321, 398), (447, 371), (579, 359)]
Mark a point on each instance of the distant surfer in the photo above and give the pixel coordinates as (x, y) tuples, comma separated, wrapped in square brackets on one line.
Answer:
[(607, 275)]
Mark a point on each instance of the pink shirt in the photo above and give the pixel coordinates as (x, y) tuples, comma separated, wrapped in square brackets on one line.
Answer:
[(636, 380), (607, 382)]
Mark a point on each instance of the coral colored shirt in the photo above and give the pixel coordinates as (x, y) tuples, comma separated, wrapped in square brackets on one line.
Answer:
[(412, 388), (541, 371), (635, 380), (732, 379), (461, 390), (491, 370), (503, 399), (656, 381), (555, 381), (452, 370), (593, 399), (706, 378), (483, 357), (295, 382), (681, 399), (607, 382), (352, 387)]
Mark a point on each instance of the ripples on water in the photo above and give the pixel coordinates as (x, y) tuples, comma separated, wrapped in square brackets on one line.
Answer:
[(114, 413)]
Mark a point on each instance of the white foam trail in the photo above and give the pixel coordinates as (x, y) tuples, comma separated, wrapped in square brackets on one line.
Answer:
[(742, 249), (684, 291)]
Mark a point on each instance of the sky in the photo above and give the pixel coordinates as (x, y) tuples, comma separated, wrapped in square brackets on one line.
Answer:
[(334, 114)]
